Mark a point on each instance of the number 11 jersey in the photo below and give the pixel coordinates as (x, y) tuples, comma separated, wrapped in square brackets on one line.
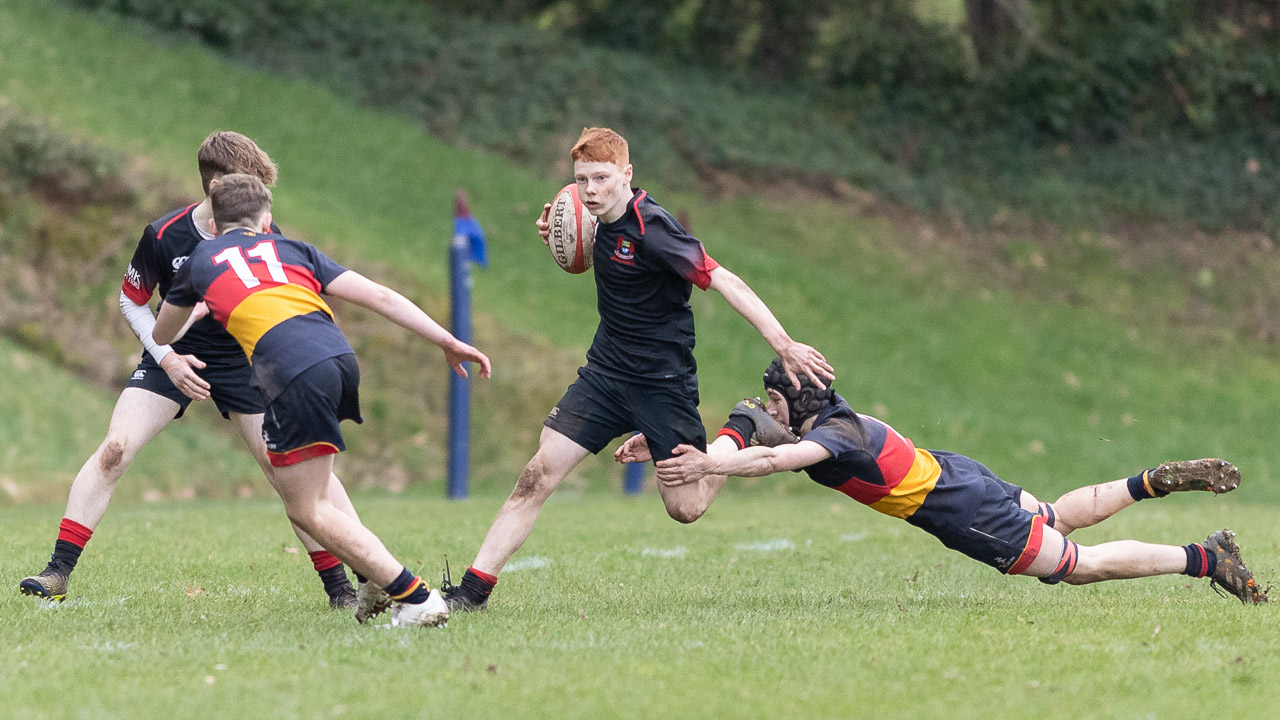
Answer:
[(265, 290)]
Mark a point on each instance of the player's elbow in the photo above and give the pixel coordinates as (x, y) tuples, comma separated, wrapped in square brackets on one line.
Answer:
[(723, 281)]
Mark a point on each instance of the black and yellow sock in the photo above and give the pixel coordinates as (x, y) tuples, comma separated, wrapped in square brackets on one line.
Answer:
[(1140, 486), (408, 588)]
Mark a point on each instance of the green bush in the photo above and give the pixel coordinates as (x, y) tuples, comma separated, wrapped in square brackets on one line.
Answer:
[(883, 101)]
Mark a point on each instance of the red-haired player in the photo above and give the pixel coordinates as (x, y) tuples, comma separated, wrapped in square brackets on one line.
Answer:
[(640, 372)]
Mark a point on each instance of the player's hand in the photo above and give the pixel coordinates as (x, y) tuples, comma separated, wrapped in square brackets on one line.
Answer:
[(634, 450), (768, 432), (687, 465), (544, 224), (800, 358), (459, 352), (181, 370)]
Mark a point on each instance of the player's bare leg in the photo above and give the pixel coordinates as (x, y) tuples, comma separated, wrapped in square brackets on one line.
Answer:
[(139, 416), (556, 456), (336, 585), (1091, 505), (686, 503), (1084, 507), (1218, 558), (305, 489)]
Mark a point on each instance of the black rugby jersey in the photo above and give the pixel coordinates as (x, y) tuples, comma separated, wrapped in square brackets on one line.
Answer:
[(165, 246), (645, 266)]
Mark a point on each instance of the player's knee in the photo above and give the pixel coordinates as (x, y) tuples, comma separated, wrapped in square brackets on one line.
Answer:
[(684, 511), (113, 457), (684, 514), (533, 482), (303, 515)]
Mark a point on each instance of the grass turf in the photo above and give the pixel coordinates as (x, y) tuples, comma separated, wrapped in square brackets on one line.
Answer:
[(768, 606)]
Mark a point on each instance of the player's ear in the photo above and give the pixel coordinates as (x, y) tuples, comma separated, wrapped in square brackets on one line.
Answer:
[(627, 172), (265, 225), (213, 226)]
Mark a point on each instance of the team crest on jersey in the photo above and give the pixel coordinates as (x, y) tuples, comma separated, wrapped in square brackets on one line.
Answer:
[(625, 251), (177, 262)]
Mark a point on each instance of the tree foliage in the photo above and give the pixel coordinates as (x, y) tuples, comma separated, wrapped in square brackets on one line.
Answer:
[(1066, 68)]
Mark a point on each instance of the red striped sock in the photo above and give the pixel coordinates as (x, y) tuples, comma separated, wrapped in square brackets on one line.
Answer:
[(322, 560), (490, 579), (74, 533)]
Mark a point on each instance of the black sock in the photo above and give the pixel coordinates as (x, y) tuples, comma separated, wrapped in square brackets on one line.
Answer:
[(1200, 562), (475, 588), (1140, 489), (361, 579), (334, 579), (65, 556)]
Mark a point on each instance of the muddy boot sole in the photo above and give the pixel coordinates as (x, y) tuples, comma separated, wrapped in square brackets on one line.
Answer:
[(1207, 474)]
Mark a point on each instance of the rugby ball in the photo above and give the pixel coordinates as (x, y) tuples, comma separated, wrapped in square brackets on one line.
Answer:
[(573, 231)]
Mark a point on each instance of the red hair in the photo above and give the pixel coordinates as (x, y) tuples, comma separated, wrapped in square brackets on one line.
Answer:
[(598, 144)]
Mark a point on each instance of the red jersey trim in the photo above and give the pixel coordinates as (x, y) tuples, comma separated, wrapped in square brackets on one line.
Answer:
[(1032, 550), (733, 435), (138, 295), (306, 452), (635, 205), (702, 275), (174, 220)]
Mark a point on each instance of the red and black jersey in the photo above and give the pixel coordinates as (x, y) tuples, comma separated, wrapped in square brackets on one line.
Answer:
[(265, 290), (646, 265), (165, 246)]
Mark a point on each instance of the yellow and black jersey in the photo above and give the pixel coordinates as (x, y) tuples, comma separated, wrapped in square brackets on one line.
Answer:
[(265, 290)]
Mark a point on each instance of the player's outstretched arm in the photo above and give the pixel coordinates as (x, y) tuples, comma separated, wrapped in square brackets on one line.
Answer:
[(356, 288), (796, 357), (181, 369), (636, 449), (690, 464), (171, 323)]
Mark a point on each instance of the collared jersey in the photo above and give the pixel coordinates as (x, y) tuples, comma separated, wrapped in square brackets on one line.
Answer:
[(871, 462), (646, 265), (265, 290), (164, 247)]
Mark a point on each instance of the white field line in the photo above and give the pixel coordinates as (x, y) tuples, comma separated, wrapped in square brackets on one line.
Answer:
[(674, 552), (767, 545), (529, 563)]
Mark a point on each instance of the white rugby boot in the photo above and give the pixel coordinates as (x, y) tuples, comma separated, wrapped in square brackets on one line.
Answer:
[(432, 613)]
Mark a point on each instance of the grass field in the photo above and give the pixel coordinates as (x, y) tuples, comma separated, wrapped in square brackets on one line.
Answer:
[(785, 600), (807, 606)]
